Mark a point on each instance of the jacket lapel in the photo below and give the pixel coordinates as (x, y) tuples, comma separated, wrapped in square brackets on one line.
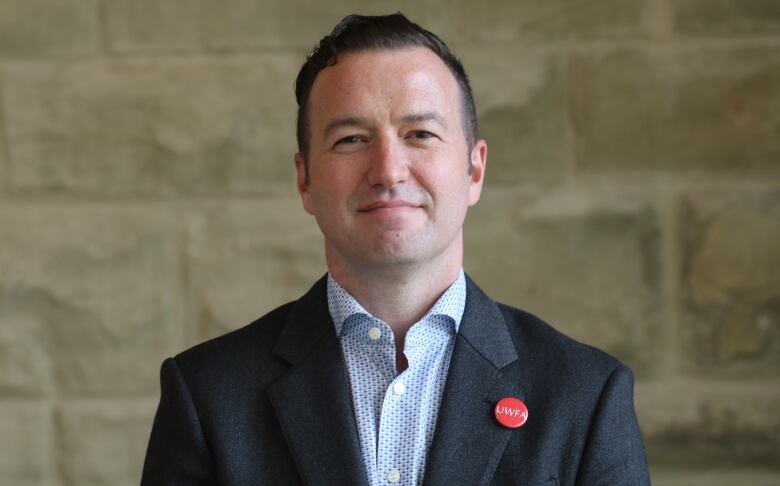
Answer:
[(468, 441), (312, 399)]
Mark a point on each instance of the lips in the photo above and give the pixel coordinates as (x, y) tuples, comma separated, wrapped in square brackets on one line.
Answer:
[(391, 204)]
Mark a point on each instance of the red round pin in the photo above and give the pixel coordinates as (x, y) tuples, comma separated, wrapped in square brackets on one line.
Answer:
[(511, 412)]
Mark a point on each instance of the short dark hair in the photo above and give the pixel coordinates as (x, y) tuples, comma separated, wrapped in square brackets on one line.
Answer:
[(359, 32)]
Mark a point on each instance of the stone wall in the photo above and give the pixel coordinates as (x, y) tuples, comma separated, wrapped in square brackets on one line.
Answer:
[(147, 203)]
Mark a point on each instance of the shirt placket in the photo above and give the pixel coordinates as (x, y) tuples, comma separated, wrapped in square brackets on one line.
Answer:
[(393, 457), (381, 349)]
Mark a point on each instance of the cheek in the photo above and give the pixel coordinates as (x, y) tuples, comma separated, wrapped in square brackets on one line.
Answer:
[(453, 199), (332, 189)]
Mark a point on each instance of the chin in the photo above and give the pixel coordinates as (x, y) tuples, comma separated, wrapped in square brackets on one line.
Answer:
[(391, 255)]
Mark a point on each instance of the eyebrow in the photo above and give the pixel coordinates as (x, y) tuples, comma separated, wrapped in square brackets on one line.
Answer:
[(424, 117), (348, 121)]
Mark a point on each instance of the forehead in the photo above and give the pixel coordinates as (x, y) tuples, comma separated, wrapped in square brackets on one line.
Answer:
[(384, 82)]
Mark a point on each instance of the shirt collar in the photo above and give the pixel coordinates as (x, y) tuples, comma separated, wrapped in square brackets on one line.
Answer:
[(342, 304)]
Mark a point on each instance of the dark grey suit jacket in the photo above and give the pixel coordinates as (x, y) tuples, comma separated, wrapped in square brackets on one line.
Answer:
[(270, 404)]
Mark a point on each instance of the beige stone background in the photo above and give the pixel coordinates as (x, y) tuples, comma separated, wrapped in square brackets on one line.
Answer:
[(147, 203)]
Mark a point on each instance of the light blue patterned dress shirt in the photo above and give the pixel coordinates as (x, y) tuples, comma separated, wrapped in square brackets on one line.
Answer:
[(396, 414)]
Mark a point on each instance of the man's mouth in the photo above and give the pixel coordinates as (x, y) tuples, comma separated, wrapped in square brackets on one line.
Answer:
[(390, 204)]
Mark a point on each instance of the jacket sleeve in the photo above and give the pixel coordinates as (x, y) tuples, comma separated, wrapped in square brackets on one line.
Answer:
[(614, 452), (178, 453)]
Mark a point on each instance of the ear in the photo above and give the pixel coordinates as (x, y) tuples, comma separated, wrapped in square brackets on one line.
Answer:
[(302, 183), (478, 163)]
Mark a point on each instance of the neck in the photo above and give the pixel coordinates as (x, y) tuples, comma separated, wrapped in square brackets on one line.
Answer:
[(397, 294)]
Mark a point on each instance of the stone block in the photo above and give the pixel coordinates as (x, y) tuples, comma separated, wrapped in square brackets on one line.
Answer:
[(743, 17), (89, 298), (246, 259), (147, 25), (586, 261), (511, 22), (717, 476), (24, 442), (691, 424), (731, 281), (686, 112), (185, 25), (152, 127), (4, 172), (287, 24), (25, 365), (301, 24), (103, 443), (522, 114), (298, 24), (48, 28)]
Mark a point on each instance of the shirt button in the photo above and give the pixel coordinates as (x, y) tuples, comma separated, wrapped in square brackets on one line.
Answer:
[(399, 388), (393, 476), (375, 333)]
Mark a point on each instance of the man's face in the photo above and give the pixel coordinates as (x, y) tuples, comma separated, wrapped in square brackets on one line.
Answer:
[(388, 162)]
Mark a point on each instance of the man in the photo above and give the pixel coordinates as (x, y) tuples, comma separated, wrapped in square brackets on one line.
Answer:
[(395, 368)]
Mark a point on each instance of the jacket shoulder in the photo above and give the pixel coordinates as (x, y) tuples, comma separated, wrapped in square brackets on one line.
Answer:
[(543, 347), (243, 352), (581, 401)]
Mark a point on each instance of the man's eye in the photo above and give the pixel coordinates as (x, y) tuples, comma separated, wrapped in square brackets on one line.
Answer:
[(350, 140), (421, 135)]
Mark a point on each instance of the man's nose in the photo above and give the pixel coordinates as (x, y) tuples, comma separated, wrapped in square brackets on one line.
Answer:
[(389, 164)]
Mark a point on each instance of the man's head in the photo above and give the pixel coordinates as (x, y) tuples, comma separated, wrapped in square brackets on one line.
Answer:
[(356, 33), (386, 153)]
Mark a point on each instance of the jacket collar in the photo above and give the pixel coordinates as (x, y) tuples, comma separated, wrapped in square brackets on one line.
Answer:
[(467, 432), (312, 399)]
